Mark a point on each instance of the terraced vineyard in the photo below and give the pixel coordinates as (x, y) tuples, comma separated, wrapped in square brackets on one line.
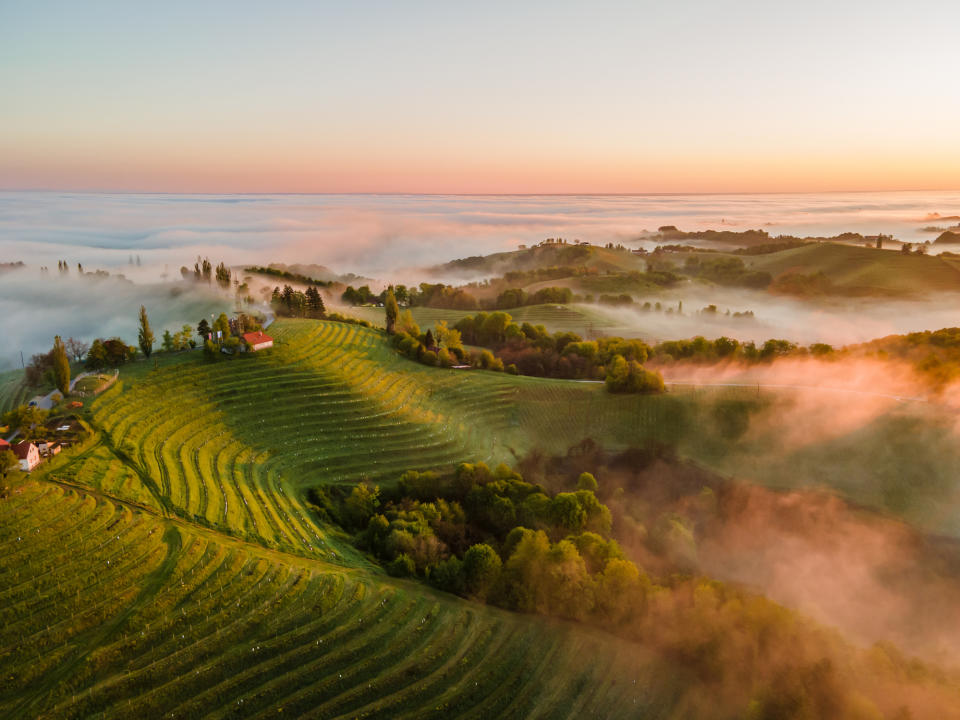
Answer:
[(170, 567), (110, 611), (233, 445)]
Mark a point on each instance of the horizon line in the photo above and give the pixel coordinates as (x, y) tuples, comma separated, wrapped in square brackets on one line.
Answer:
[(477, 194)]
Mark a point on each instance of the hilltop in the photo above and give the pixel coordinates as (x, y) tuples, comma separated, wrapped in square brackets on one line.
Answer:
[(546, 254)]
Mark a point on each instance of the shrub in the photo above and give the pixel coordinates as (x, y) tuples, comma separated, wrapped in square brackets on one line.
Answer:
[(402, 566)]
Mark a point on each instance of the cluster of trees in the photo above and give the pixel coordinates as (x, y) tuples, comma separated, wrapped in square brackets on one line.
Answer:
[(794, 283), (516, 297), (442, 347), (531, 350), (727, 271), (29, 420), (294, 303), (490, 535), (42, 369), (224, 333), (204, 271), (629, 376), (435, 295), (112, 352), (616, 300), (362, 295), (179, 340)]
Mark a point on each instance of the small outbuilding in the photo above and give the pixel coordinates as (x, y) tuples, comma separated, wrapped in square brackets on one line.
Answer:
[(257, 341), (28, 454)]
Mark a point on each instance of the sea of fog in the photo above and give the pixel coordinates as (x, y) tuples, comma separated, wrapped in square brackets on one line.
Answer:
[(381, 236)]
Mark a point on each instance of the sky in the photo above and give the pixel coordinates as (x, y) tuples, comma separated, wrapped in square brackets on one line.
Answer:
[(493, 97)]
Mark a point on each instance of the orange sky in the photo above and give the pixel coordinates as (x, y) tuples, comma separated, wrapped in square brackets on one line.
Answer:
[(605, 97)]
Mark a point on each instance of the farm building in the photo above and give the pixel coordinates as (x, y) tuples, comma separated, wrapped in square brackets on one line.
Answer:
[(48, 448), (257, 341), (28, 454)]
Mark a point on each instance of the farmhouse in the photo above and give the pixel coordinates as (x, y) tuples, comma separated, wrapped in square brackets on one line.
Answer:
[(257, 341), (28, 454), (4, 445)]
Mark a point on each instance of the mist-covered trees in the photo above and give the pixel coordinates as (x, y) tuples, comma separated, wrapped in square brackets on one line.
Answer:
[(223, 275), (145, 334), (61, 366)]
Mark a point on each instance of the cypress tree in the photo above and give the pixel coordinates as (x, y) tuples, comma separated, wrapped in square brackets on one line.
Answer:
[(61, 366), (145, 336)]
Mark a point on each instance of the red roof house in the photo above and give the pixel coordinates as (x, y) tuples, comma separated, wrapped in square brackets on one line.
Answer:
[(257, 340), (28, 454)]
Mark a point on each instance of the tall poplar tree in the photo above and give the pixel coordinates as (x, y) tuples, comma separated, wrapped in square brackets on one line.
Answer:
[(145, 336), (61, 366), (392, 309)]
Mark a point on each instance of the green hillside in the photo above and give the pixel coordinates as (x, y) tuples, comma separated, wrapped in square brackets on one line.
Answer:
[(114, 612), (171, 566), (853, 267)]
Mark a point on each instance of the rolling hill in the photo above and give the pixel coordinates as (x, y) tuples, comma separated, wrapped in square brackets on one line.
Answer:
[(858, 268), (171, 566)]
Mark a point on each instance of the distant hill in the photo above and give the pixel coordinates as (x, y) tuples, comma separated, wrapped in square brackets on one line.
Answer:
[(865, 271), (948, 238), (542, 255), (311, 270)]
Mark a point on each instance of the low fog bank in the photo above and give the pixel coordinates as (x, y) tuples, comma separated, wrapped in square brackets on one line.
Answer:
[(836, 322), (871, 576), (34, 307), (830, 490), (380, 233)]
